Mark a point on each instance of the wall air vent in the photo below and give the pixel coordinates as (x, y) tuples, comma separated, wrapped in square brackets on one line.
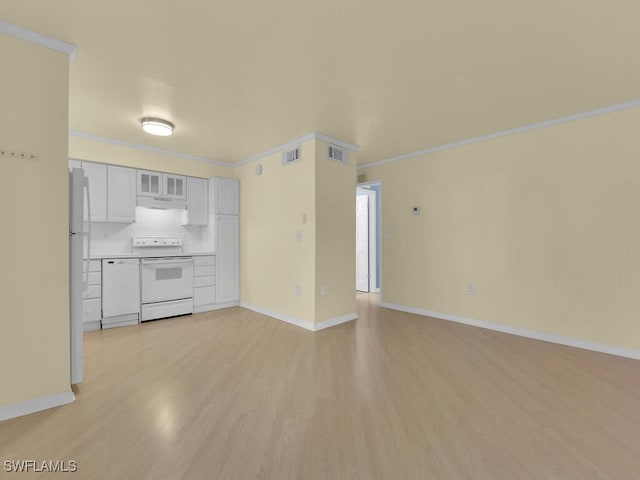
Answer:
[(291, 156), (336, 153)]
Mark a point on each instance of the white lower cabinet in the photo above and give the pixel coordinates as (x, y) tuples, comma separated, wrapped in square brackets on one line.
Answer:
[(204, 282), (92, 298), (228, 259)]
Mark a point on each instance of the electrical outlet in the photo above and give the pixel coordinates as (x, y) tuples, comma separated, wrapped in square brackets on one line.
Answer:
[(8, 153), (471, 289), (298, 290)]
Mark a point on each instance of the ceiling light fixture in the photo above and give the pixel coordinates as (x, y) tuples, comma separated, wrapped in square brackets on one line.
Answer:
[(157, 126)]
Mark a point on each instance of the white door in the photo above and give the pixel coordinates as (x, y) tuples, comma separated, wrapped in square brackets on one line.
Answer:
[(362, 243)]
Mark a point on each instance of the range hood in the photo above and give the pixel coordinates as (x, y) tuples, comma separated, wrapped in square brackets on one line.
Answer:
[(161, 202)]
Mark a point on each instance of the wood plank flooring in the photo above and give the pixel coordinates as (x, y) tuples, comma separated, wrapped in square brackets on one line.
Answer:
[(237, 395)]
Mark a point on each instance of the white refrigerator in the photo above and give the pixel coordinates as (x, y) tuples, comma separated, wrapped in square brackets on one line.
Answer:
[(79, 253)]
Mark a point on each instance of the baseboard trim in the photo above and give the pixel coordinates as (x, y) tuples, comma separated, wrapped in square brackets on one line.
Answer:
[(521, 332), (36, 405), (336, 321), (213, 307), (279, 316), (312, 327)]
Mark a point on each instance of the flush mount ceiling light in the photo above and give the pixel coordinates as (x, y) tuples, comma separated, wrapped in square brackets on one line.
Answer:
[(157, 126)]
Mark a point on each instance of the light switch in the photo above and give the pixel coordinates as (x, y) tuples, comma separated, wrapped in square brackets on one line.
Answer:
[(298, 236)]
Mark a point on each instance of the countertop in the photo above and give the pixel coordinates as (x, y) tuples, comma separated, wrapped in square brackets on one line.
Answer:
[(156, 254)]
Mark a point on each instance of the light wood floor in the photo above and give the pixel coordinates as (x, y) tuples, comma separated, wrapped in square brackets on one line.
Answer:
[(237, 395)]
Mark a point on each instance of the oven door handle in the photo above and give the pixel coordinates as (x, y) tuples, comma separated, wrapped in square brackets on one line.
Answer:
[(163, 261)]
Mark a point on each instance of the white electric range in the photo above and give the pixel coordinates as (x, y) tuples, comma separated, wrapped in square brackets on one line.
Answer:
[(166, 277)]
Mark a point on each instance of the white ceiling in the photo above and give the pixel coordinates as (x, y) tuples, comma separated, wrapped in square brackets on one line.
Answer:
[(238, 78)]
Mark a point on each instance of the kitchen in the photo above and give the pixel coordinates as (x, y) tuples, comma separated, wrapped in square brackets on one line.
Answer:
[(147, 245)]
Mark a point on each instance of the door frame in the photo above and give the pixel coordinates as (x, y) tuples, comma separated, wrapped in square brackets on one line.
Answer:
[(374, 228), (363, 198)]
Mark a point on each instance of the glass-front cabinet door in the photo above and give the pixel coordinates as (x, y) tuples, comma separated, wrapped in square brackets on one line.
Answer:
[(175, 186), (149, 183)]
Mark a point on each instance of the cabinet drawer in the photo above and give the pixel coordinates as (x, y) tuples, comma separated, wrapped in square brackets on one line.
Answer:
[(92, 310), (93, 291), (209, 281), (204, 296), (204, 271), (95, 265), (204, 260), (95, 278)]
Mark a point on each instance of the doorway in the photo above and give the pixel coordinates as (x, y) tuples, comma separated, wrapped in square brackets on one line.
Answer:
[(368, 238)]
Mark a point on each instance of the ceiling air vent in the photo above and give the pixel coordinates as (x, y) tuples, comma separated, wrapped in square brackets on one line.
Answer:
[(291, 156), (336, 153)]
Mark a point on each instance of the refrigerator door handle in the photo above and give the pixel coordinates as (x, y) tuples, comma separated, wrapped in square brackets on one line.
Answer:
[(87, 260)]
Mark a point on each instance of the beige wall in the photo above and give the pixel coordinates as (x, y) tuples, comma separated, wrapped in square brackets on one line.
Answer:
[(95, 151), (34, 329), (335, 235), (272, 209), (272, 262), (544, 224)]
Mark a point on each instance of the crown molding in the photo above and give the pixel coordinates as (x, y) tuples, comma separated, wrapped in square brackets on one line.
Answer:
[(39, 39), (334, 141), (503, 133), (273, 150), (297, 141), (319, 136), (146, 148)]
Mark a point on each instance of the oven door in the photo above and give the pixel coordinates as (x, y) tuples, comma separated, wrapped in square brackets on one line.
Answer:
[(166, 279)]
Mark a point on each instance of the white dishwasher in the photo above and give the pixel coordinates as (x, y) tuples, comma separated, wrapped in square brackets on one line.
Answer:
[(120, 292)]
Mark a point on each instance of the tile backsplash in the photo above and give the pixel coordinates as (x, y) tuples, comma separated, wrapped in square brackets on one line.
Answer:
[(113, 238)]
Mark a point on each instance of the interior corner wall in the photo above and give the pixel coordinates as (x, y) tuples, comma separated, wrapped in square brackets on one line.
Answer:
[(335, 235), (34, 279), (272, 261), (544, 224), (97, 151)]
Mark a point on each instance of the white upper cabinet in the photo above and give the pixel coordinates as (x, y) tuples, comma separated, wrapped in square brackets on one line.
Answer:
[(197, 201), (74, 163), (122, 195), (175, 186), (97, 175), (154, 184), (149, 183), (227, 196)]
